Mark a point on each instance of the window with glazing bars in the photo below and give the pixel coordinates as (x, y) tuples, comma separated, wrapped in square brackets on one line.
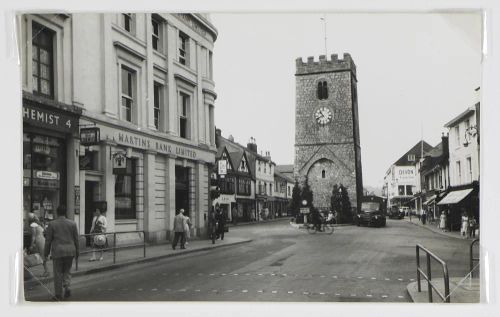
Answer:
[(157, 104), (183, 46), (127, 21), (42, 60), (184, 116), (156, 34), (127, 102)]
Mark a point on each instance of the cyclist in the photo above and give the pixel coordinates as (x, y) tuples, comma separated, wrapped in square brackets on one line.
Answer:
[(316, 219)]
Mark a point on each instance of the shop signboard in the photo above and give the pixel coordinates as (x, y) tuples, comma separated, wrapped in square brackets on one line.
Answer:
[(89, 136), (119, 163), (46, 175), (49, 119), (45, 183)]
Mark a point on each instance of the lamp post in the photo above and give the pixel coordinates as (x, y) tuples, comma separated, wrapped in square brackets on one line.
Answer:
[(304, 203)]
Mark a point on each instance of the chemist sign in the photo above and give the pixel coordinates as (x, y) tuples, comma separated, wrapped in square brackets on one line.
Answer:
[(49, 119)]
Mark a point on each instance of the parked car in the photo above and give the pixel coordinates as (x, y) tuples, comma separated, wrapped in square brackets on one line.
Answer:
[(396, 213), (372, 212)]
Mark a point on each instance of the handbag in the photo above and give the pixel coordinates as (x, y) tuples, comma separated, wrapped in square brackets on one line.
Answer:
[(33, 259), (100, 240)]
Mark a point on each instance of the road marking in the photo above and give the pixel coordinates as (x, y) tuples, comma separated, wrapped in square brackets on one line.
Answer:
[(387, 279), (167, 289), (229, 291), (412, 279), (235, 274), (197, 290), (384, 296), (400, 279), (369, 295), (260, 291), (154, 289), (274, 292), (360, 277), (336, 294), (290, 292), (284, 274), (400, 296), (214, 291), (374, 278), (321, 293), (223, 274), (182, 290), (260, 274), (335, 276), (272, 274), (244, 291), (353, 295), (247, 274), (322, 276), (139, 289), (211, 274)]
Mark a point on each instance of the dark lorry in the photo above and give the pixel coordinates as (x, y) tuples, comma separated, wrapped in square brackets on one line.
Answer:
[(373, 211)]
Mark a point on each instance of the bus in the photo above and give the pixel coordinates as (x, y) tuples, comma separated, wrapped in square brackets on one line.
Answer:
[(373, 211)]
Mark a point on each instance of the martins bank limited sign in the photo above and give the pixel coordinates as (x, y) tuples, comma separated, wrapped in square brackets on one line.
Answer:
[(136, 140)]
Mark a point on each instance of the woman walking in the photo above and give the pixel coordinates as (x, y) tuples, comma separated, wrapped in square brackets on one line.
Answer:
[(442, 221), (99, 242), (38, 240), (187, 227), (465, 225)]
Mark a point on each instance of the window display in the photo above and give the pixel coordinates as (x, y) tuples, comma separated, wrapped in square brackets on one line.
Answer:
[(43, 175)]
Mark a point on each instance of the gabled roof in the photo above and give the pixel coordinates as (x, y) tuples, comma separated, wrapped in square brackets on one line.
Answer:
[(286, 177), (415, 150), (284, 168), (236, 152)]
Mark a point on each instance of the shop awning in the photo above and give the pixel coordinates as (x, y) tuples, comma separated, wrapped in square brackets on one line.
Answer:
[(455, 197), (430, 200)]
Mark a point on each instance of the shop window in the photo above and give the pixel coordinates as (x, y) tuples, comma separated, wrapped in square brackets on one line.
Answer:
[(128, 94), (44, 175), (183, 49), (185, 105), (125, 192), (42, 60)]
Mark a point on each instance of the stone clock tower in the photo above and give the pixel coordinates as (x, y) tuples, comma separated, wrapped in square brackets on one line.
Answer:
[(327, 147)]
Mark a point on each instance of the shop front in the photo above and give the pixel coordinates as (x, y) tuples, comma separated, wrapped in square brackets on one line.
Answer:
[(458, 200), (50, 133), (144, 179), (225, 203)]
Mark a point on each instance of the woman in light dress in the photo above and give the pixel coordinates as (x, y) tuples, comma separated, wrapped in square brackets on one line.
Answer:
[(442, 221), (99, 224), (464, 230), (187, 227), (38, 240)]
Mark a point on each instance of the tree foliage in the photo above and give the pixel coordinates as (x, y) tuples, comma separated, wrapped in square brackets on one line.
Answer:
[(296, 199), (341, 204)]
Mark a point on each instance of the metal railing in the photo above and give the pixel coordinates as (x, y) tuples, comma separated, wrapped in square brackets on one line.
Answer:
[(428, 275), (114, 248), (472, 259)]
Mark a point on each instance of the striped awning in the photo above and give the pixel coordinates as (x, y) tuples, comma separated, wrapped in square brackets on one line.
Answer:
[(455, 197)]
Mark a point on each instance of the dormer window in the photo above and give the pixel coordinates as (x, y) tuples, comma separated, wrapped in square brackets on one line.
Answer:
[(322, 90), (411, 157)]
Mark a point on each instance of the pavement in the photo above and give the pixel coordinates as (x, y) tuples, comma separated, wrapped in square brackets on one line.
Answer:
[(279, 263), (131, 256), (434, 228), (463, 290)]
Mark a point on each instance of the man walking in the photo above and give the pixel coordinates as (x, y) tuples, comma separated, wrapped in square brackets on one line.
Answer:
[(220, 217), (179, 223), (61, 242)]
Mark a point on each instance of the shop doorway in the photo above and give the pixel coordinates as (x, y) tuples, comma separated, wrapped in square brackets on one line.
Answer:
[(91, 196), (182, 189)]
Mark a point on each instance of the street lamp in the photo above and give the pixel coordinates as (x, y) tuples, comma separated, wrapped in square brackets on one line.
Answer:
[(470, 132)]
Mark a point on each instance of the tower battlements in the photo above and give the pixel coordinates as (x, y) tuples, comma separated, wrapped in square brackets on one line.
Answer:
[(324, 65)]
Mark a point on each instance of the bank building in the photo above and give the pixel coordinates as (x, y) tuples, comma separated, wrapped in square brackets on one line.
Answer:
[(118, 114)]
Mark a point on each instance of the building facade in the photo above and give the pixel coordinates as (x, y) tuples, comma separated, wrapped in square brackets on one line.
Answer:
[(145, 82), (327, 142), (50, 117), (401, 179)]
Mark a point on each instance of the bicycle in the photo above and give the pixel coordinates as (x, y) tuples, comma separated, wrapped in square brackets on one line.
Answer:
[(324, 227)]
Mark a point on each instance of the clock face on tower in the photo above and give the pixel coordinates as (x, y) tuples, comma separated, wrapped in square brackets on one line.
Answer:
[(323, 115)]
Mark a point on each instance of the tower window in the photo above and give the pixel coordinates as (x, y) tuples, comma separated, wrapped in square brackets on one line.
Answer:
[(323, 174), (322, 90)]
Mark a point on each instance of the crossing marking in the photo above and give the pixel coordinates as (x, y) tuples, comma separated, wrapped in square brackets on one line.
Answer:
[(247, 274), (197, 290), (229, 291), (167, 289), (273, 274), (154, 289), (335, 276), (374, 278), (412, 279), (211, 274), (387, 279), (260, 291), (369, 295), (140, 289), (214, 291), (305, 293), (284, 274), (336, 294), (322, 293), (223, 274), (400, 279), (182, 290), (244, 291), (384, 296), (290, 292), (322, 276), (274, 292), (400, 296), (360, 277), (353, 295), (235, 274), (260, 274)]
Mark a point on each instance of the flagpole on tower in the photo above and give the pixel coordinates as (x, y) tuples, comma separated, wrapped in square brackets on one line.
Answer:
[(324, 24)]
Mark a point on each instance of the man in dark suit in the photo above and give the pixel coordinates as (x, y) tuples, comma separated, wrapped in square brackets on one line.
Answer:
[(61, 242), (220, 218)]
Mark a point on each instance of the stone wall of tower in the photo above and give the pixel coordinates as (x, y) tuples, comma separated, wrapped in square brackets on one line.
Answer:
[(334, 147)]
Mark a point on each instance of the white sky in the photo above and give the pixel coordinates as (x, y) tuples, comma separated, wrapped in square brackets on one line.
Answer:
[(412, 69)]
